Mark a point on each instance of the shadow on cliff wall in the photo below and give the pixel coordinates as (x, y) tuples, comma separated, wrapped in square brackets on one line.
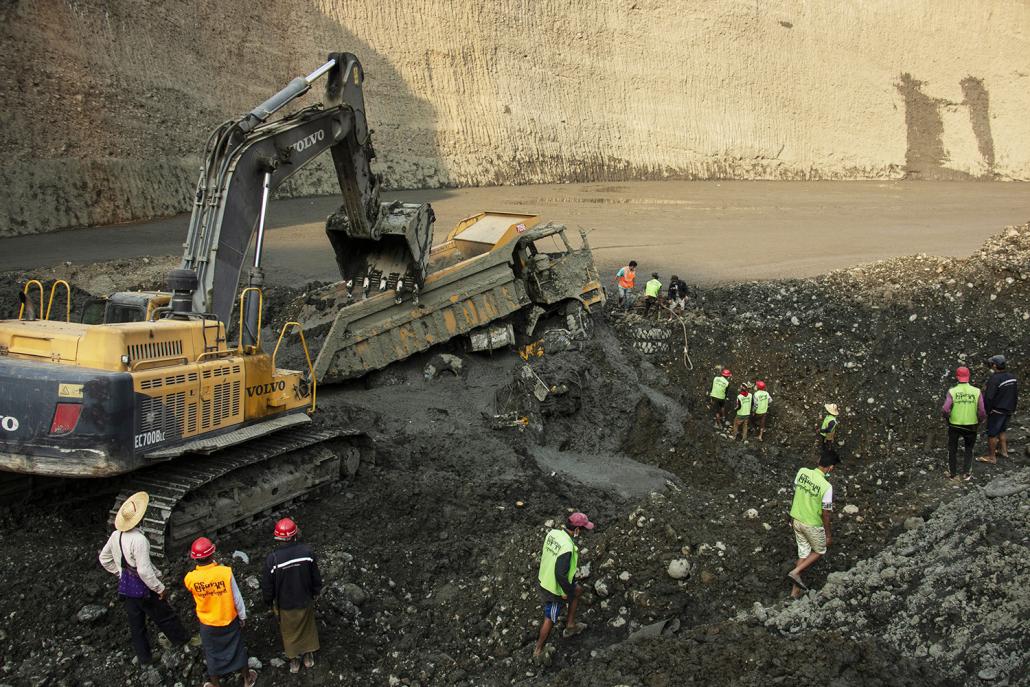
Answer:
[(925, 155)]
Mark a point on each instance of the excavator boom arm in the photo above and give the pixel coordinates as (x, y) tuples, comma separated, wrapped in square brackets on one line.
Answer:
[(243, 154)]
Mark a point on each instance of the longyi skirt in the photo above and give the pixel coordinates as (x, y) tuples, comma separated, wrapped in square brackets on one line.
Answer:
[(224, 650), (297, 627)]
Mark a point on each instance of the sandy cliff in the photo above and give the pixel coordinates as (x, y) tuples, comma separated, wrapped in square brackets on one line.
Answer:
[(107, 103)]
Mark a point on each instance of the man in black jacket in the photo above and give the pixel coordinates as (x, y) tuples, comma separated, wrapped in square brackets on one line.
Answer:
[(1000, 396), (290, 583)]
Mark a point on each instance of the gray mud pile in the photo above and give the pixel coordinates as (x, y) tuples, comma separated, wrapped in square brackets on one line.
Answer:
[(951, 591), (430, 552)]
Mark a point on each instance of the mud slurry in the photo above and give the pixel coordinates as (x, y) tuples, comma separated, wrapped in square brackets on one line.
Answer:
[(430, 563)]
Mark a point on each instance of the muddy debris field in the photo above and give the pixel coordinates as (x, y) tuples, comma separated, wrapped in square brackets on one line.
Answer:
[(430, 551)]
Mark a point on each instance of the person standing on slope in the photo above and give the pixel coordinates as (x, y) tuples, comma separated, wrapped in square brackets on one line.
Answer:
[(762, 401), (290, 583), (810, 517), (718, 395), (625, 280), (127, 555), (743, 417), (652, 290), (1000, 395), (559, 561), (964, 410)]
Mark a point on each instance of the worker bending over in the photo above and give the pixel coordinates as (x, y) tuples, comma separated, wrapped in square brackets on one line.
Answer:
[(828, 430), (651, 291)]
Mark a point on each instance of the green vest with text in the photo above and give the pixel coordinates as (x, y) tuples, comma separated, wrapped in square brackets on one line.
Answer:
[(652, 288), (719, 385), (745, 405), (965, 402), (825, 428), (557, 543), (761, 402), (810, 486)]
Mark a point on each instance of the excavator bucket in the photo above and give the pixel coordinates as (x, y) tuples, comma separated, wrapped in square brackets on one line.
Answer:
[(392, 254)]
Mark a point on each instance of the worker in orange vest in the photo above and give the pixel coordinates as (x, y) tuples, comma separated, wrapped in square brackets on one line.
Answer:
[(221, 612), (626, 279)]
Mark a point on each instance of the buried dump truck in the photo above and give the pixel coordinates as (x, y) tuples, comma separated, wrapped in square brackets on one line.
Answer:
[(497, 273)]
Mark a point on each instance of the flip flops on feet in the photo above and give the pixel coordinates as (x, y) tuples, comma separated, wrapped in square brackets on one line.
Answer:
[(294, 665), (967, 477), (573, 630), (309, 661), (796, 579), (987, 459), (251, 678)]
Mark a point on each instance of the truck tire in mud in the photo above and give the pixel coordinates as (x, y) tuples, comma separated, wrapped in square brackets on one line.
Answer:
[(650, 339)]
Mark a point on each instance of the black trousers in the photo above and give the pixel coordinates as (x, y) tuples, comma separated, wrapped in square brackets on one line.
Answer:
[(968, 435), (161, 614)]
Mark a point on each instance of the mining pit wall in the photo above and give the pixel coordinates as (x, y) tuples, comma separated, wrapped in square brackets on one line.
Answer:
[(108, 103)]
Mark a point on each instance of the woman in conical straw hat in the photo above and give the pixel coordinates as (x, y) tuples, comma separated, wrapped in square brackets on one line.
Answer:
[(127, 555)]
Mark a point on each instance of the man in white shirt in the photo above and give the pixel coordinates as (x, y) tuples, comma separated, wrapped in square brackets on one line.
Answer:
[(127, 555)]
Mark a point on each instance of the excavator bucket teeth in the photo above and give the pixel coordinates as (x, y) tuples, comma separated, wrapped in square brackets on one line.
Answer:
[(394, 251)]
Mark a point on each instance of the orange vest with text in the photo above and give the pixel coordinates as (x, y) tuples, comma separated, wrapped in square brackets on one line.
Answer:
[(628, 278), (211, 586)]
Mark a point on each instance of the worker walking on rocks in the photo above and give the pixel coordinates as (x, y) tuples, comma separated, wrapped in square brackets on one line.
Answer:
[(762, 401), (127, 555), (828, 430), (743, 416), (559, 561), (810, 517), (718, 395), (222, 614), (1000, 395), (651, 291), (626, 279), (964, 410), (290, 584)]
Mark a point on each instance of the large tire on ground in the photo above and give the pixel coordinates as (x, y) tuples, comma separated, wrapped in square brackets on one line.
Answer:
[(651, 339)]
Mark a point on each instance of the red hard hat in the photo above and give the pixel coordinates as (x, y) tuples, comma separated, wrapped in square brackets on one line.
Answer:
[(726, 373), (202, 548), (760, 384), (962, 374), (285, 529)]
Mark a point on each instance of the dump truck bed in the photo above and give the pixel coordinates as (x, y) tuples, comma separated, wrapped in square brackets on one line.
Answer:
[(490, 267)]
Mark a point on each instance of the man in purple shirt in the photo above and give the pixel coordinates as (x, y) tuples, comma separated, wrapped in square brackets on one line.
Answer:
[(964, 409)]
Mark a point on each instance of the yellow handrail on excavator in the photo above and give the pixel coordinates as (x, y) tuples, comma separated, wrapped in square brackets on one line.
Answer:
[(25, 290), (307, 356), (261, 307), (68, 300)]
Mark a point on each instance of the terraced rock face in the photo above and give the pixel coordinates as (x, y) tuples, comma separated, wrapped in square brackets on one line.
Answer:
[(108, 104)]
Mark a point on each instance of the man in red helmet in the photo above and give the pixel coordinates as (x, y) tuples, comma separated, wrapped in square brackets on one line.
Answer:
[(718, 395), (761, 407), (290, 584), (964, 410), (221, 612)]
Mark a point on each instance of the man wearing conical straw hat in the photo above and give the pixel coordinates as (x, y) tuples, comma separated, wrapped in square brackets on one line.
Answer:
[(127, 555)]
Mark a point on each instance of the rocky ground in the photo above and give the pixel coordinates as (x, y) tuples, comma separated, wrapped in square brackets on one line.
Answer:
[(430, 552)]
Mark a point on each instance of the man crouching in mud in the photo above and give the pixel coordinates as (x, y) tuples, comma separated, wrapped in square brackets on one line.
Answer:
[(559, 561), (810, 517)]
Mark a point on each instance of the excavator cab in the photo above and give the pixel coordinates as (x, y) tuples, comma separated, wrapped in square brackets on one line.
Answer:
[(124, 306)]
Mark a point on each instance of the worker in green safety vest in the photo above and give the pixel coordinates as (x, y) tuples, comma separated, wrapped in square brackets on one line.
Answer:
[(810, 517), (828, 430), (743, 416), (559, 561), (761, 407), (651, 290), (964, 409), (718, 395)]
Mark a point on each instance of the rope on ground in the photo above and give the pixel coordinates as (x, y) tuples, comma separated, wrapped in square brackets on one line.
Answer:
[(687, 362)]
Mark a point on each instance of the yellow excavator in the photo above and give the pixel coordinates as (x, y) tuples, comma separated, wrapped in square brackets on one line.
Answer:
[(152, 377)]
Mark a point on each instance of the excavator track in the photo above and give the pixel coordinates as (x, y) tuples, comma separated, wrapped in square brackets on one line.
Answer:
[(204, 494)]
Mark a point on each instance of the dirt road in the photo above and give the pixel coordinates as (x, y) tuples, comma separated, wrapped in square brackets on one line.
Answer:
[(706, 231)]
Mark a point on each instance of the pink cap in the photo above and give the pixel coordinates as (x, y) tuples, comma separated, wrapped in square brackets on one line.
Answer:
[(580, 520), (962, 374)]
